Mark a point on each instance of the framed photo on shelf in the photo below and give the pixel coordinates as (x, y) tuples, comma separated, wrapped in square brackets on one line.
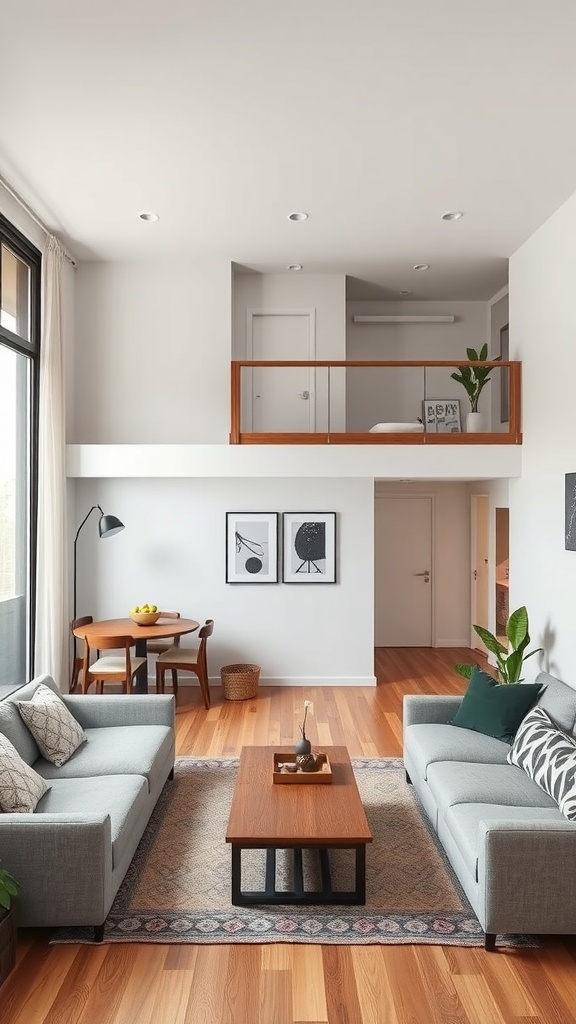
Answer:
[(504, 373), (252, 547), (309, 547), (442, 415)]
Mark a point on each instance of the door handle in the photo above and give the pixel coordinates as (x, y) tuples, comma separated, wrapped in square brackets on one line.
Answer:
[(425, 574), (305, 395)]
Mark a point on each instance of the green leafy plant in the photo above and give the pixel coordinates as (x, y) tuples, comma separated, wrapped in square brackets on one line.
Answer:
[(510, 659), (8, 888), (474, 378)]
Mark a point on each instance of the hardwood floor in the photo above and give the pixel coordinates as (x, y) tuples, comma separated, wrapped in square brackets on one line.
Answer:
[(284, 984)]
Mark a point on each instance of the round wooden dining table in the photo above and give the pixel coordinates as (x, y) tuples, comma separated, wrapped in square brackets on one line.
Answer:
[(140, 634)]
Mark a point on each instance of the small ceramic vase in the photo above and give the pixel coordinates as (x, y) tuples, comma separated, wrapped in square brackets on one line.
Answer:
[(303, 746)]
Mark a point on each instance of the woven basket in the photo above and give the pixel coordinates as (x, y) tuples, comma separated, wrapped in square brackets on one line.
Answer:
[(239, 682)]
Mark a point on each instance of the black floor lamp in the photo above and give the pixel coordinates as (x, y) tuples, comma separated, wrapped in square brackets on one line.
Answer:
[(107, 527)]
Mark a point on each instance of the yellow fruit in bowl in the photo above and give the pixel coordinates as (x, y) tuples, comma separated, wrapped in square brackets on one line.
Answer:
[(153, 608)]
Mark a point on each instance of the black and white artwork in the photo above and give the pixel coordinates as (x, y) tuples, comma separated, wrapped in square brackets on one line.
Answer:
[(570, 512), (252, 547), (442, 416), (309, 547)]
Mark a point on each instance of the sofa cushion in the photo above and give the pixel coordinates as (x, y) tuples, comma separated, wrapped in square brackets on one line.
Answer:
[(115, 750), (12, 726), (463, 822), (494, 708), (558, 701), (20, 786), (548, 756), (435, 742), (123, 797), (457, 783), (54, 728)]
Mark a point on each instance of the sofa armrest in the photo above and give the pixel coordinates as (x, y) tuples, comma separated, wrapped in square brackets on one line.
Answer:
[(526, 875), (95, 711), (62, 863), (429, 708)]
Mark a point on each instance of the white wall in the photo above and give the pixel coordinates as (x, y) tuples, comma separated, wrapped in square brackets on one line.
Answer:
[(385, 395), (542, 335), (451, 556), (172, 553), (152, 353)]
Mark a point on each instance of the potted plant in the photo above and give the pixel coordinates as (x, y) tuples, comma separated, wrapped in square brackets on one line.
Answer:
[(509, 660), (473, 379), (8, 889)]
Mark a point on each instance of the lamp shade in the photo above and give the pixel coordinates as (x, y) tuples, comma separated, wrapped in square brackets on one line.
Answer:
[(109, 525)]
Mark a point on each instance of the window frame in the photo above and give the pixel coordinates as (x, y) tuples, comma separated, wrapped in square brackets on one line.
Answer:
[(14, 240)]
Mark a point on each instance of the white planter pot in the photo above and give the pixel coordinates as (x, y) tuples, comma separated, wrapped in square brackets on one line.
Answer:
[(474, 423)]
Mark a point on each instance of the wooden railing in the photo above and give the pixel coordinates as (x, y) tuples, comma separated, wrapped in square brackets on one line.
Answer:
[(512, 435)]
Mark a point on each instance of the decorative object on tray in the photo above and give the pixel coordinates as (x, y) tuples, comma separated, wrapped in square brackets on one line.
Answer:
[(288, 769), (303, 746), (145, 614)]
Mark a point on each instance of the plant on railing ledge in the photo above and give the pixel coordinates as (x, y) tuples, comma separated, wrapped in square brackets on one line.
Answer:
[(474, 378)]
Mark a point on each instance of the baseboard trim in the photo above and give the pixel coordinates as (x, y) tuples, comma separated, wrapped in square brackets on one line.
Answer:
[(453, 643), (215, 681)]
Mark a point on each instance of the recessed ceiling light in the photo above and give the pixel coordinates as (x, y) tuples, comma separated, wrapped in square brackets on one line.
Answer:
[(421, 266), (148, 216), (452, 215), (294, 266), (299, 215)]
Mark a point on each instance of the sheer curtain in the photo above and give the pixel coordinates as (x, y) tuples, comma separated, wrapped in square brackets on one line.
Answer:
[(51, 653)]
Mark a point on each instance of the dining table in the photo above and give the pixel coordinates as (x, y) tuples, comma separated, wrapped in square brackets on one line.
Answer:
[(140, 634)]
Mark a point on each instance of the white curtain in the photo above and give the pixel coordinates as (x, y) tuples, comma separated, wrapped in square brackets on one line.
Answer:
[(51, 654)]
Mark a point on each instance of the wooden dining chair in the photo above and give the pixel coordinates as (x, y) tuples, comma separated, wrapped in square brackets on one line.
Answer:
[(118, 668), (187, 659), (78, 660)]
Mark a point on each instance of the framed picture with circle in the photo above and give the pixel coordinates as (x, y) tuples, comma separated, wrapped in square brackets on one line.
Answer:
[(252, 547), (309, 547)]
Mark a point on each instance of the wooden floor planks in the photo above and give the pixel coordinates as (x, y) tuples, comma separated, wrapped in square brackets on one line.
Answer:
[(290, 984)]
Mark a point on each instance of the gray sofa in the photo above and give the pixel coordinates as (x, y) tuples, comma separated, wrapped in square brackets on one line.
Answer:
[(513, 851), (72, 853)]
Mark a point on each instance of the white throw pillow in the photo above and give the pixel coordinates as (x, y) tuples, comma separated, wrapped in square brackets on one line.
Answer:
[(20, 786), (548, 756), (54, 728)]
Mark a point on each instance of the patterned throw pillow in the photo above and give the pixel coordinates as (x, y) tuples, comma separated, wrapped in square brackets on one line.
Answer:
[(20, 786), (548, 756), (54, 728)]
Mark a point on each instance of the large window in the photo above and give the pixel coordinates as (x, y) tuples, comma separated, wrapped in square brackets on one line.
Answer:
[(19, 361)]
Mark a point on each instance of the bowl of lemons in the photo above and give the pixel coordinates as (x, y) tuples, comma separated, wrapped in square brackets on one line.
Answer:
[(145, 614)]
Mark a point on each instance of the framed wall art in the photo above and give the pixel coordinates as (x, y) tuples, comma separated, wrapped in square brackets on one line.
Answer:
[(442, 415), (309, 547), (570, 512), (252, 547)]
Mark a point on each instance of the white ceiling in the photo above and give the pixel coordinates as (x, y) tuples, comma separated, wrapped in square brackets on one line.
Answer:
[(225, 115)]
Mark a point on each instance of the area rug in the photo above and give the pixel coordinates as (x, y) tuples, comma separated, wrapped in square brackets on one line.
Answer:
[(177, 888)]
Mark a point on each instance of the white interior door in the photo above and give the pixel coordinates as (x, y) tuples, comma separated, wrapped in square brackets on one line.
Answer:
[(479, 547), (403, 571), (282, 399)]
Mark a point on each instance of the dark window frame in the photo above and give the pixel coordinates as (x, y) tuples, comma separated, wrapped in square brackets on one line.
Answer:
[(32, 257)]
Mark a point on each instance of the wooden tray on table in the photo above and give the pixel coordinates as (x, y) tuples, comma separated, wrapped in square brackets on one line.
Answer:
[(321, 777)]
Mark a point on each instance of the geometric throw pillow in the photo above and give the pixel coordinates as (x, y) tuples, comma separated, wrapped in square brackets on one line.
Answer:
[(548, 756), (20, 786), (495, 709), (54, 728)]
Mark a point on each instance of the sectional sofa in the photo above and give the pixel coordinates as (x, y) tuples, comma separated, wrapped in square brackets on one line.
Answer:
[(71, 854), (510, 846)]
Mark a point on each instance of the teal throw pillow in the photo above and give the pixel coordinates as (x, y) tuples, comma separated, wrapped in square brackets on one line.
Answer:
[(496, 709)]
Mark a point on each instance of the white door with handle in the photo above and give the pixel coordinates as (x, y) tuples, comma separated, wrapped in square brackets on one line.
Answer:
[(283, 399), (403, 571)]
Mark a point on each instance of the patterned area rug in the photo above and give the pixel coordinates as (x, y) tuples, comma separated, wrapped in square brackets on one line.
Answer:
[(178, 886)]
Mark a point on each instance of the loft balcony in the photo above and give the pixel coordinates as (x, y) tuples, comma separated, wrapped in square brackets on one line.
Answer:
[(397, 402)]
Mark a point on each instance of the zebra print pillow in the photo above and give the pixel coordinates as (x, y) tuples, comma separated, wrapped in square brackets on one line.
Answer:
[(548, 756)]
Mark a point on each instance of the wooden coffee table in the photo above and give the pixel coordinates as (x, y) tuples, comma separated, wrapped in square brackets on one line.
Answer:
[(268, 816)]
